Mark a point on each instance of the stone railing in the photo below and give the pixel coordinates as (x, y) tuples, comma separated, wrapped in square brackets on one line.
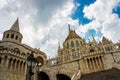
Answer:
[(64, 59), (8, 51), (92, 53)]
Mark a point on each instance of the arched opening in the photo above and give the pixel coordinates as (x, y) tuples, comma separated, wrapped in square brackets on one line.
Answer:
[(17, 66), (16, 50), (20, 68), (16, 37), (92, 50), (62, 77), (72, 44), (5, 60), (12, 36), (40, 60), (13, 66), (10, 63), (67, 45), (7, 36), (1, 48), (43, 76), (77, 43)]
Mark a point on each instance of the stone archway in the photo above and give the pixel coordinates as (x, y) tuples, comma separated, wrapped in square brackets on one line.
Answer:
[(42, 76), (62, 77)]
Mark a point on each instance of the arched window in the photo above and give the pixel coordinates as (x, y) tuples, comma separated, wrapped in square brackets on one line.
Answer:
[(7, 36), (12, 35), (16, 50), (92, 50), (67, 45), (72, 44), (108, 49), (1, 47), (77, 44), (16, 37)]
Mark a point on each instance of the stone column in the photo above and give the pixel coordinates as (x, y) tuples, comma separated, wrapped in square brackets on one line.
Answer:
[(15, 67), (25, 68), (99, 61), (2, 62), (94, 67), (7, 64), (18, 68), (96, 62), (87, 67), (90, 64), (11, 65)]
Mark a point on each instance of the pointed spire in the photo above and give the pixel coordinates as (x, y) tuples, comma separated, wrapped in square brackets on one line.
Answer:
[(15, 26), (58, 45), (93, 38), (69, 27)]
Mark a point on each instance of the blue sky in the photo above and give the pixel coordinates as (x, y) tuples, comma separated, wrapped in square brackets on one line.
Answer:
[(78, 13), (47, 20)]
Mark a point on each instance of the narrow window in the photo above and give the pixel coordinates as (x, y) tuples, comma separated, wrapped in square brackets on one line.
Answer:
[(72, 44), (12, 35), (16, 37), (7, 36), (67, 45), (77, 44)]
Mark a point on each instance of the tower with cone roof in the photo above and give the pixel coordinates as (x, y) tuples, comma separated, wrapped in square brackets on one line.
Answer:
[(13, 34), (13, 55)]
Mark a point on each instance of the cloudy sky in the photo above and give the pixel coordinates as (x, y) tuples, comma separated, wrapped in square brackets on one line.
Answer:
[(43, 23)]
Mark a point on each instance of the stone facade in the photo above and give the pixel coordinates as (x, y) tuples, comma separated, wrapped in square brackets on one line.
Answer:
[(75, 58), (13, 55)]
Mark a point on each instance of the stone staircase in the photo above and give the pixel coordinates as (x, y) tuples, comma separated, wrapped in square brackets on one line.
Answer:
[(117, 65), (76, 76)]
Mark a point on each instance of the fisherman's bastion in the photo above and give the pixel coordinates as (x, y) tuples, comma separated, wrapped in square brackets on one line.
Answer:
[(75, 60)]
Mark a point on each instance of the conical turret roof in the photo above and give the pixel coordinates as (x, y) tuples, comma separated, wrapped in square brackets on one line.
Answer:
[(105, 40), (72, 34), (15, 26)]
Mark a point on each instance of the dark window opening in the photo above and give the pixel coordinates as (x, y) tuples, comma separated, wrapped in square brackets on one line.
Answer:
[(72, 44), (7, 36), (92, 50), (62, 77), (43, 76), (77, 44), (12, 35), (16, 37), (67, 45)]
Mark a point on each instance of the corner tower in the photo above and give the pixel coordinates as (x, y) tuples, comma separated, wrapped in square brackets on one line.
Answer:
[(13, 34)]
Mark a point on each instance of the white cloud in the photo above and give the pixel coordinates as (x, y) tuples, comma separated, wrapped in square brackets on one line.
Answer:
[(3, 3), (103, 20), (43, 23)]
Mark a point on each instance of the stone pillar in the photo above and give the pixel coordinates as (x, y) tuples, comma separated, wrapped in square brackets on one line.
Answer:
[(2, 62), (7, 64), (97, 65), (18, 68), (22, 68), (99, 61), (25, 68), (87, 67), (15, 67), (102, 63), (90, 64), (94, 67), (11, 65)]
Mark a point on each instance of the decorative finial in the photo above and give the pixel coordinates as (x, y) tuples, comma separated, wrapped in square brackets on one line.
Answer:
[(93, 36), (58, 45), (69, 27)]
